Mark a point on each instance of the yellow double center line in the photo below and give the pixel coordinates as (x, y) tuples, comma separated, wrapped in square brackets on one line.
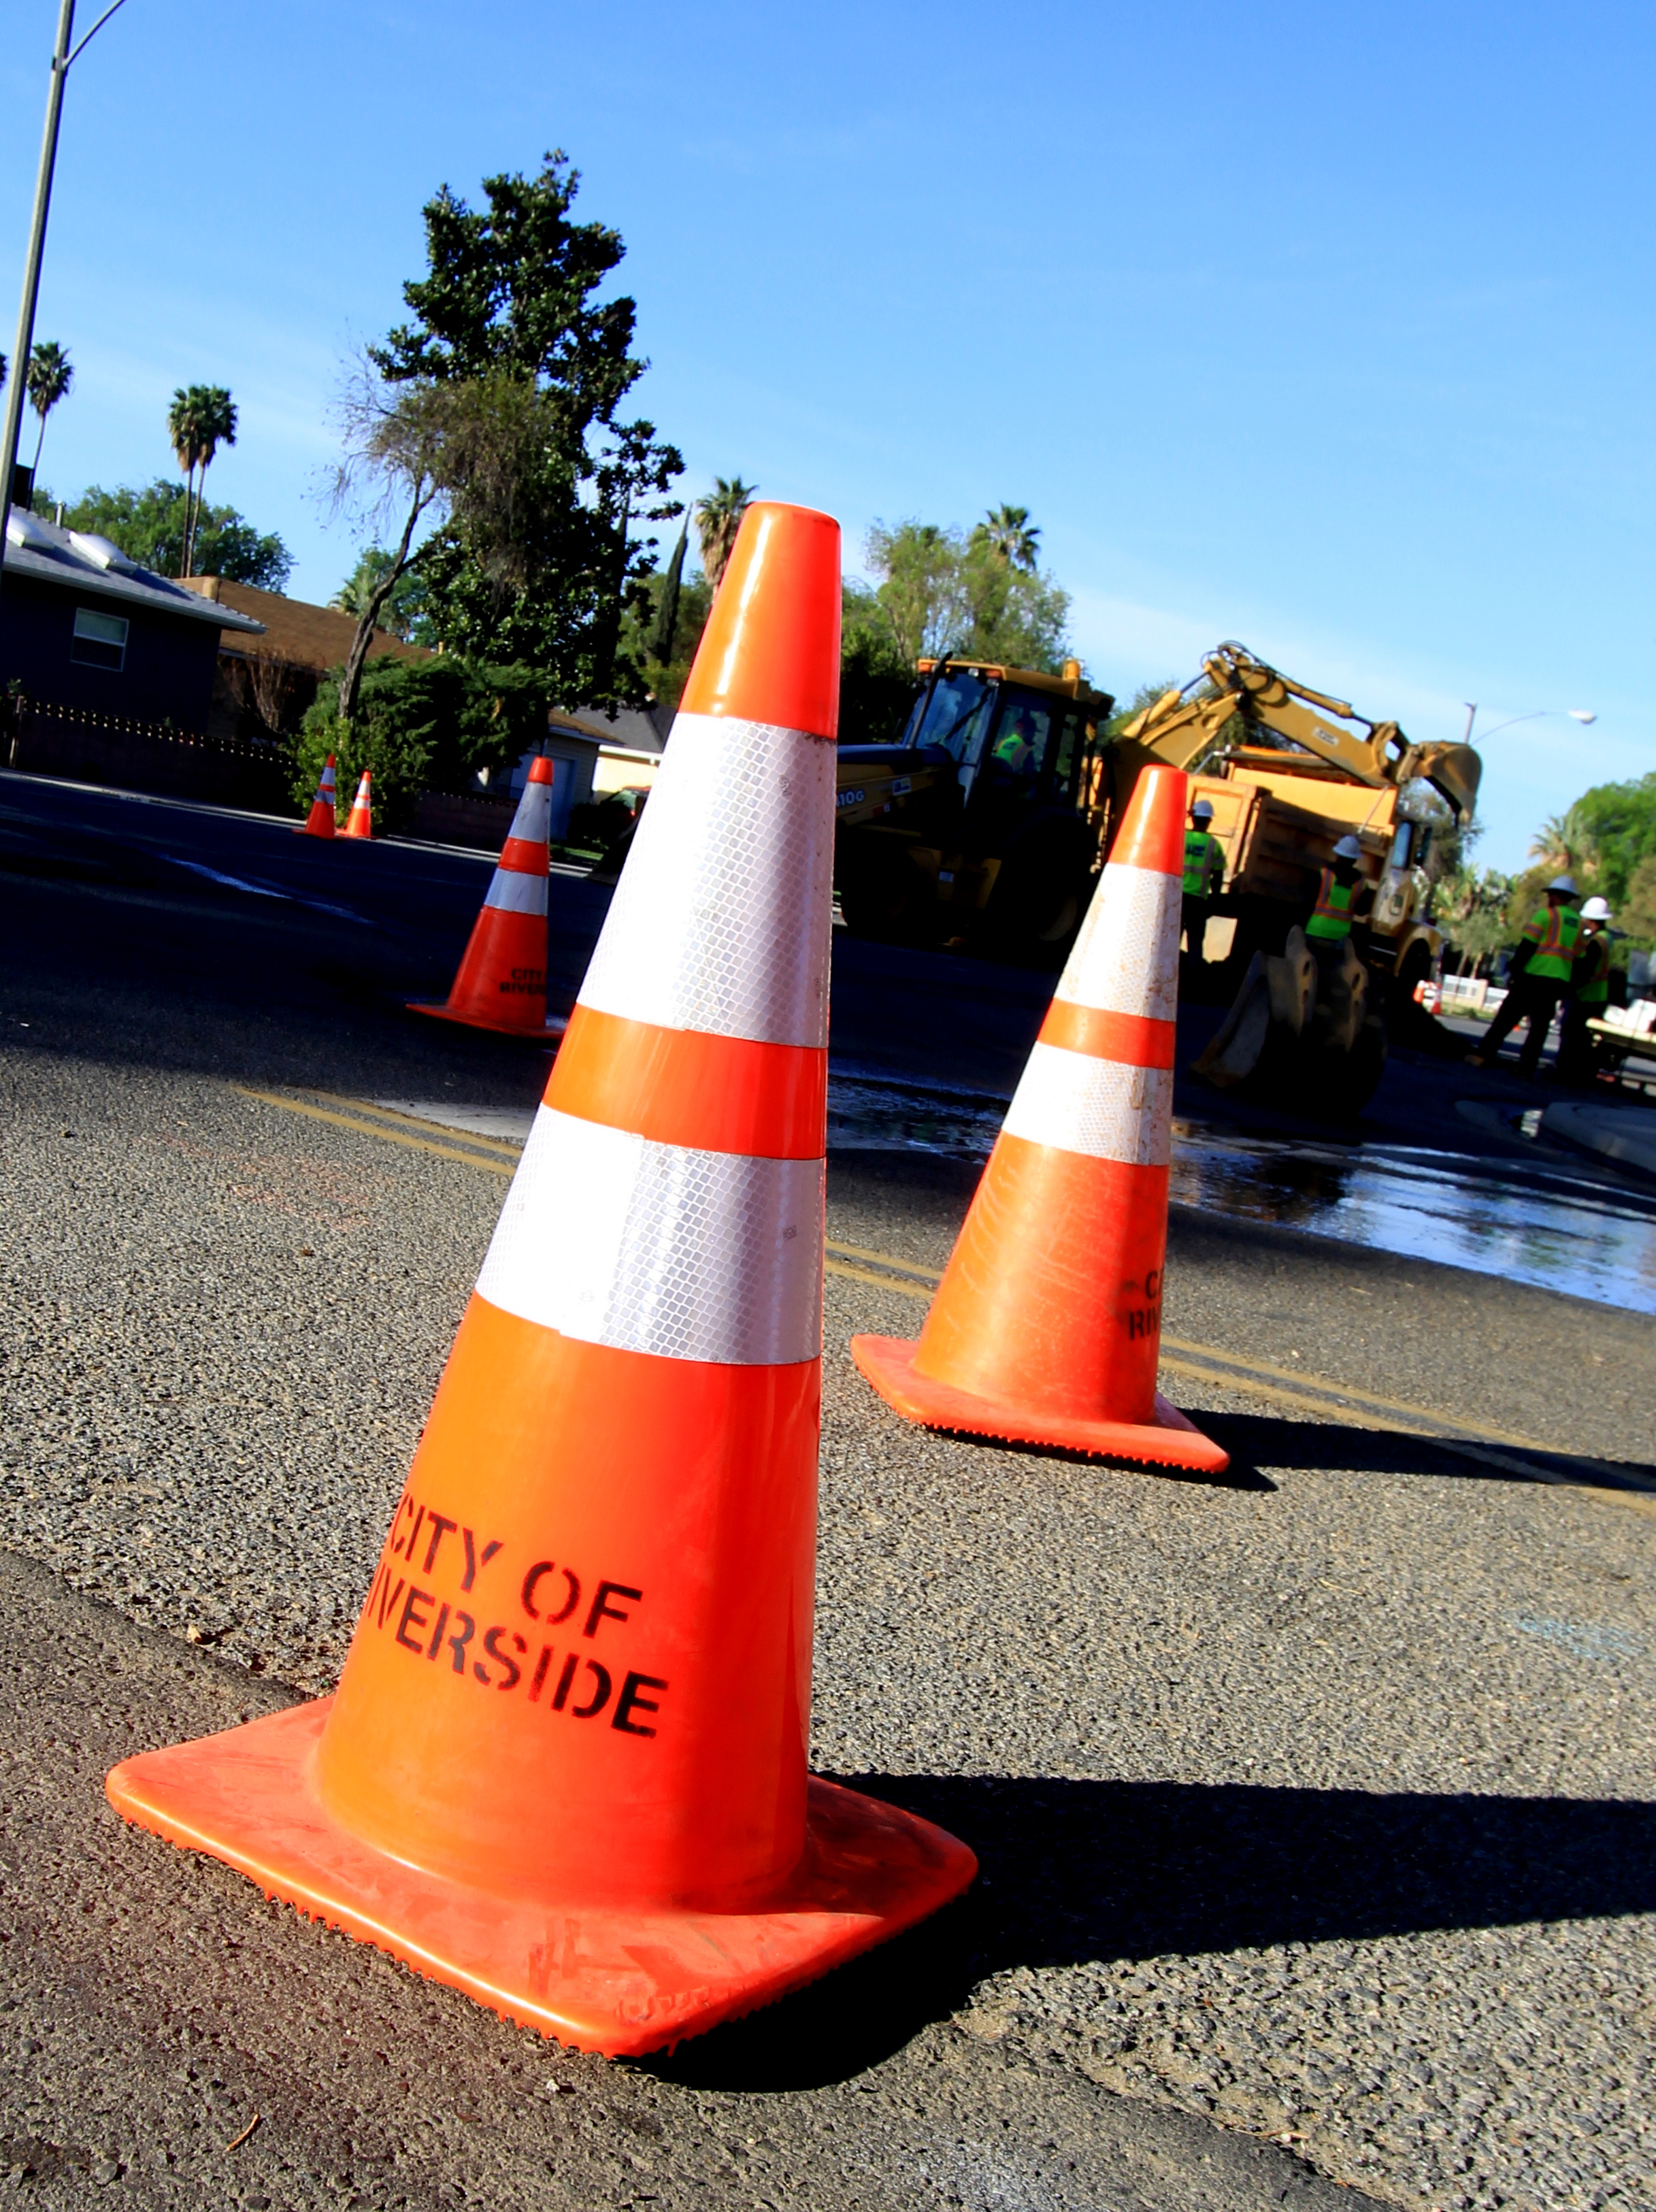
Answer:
[(1315, 1395)]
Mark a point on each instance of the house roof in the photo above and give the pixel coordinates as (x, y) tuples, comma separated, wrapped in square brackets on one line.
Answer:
[(82, 562), (628, 729), (296, 631)]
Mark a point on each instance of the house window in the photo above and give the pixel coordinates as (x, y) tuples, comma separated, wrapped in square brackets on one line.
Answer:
[(99, 641)]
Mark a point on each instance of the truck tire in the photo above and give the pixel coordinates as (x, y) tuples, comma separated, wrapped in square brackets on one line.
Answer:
[(882, 895), (1038, 899)]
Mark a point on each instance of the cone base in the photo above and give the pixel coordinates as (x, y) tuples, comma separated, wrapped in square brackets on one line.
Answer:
[(556, 1025), (605, 1979), (1170, 1440)]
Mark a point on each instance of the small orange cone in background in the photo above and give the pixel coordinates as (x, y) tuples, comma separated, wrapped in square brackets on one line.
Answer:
[(500, 983), (361, 823), (565, 1767), (1047, 1321), (319, 822)]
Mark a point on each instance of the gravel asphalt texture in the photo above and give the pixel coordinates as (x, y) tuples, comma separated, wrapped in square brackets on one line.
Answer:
[(1314, 1806)]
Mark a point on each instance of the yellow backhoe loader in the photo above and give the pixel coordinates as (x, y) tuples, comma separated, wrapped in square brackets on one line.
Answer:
[(983, 825)]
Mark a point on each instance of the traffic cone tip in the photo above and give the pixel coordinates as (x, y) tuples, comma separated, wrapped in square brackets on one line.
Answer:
[(770, 653)]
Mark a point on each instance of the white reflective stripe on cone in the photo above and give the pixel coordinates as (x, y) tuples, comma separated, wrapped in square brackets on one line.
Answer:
[(1125, 961), (514, 890), (1102, 1108), (614, 1239), (733, 853), (533, 820)]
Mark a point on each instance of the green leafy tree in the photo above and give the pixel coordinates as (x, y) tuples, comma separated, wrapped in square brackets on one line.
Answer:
[(941, 591), (718, 520), (877, 682), (643, 633), (49, 375), (149, 524), (1619, 819), (1471, 906), (402, 609), (509, 298), (1636, 915), (419, 725)]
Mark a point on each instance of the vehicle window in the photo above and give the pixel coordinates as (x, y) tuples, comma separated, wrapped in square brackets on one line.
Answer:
[(952, 717), (1399, 857), (1020, 736), (1070, 737)]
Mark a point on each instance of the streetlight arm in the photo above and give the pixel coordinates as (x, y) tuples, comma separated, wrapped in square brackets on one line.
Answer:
[(72, 58)]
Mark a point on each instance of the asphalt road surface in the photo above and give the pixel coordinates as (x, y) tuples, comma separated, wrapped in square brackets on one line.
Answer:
[(1314, 1806)]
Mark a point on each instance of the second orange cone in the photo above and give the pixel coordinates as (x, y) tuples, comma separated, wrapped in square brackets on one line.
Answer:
[(361, 822), (1047, 1322), (500, 983)]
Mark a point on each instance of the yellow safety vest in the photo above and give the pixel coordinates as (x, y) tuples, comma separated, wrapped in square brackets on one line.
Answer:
[(1553, 932), (1201, 861), (1591, 978), (1333, 915)]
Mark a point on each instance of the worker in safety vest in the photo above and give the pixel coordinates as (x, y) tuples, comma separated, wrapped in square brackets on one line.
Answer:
[(1589, 994), (1339, 892), (1547, 952), (1204, 868)]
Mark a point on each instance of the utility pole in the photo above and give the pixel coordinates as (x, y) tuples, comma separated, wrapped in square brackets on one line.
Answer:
[(17, 382)]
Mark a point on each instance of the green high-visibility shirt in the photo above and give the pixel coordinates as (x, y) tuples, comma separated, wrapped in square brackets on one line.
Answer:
[(1331, 916), (1204, 862), (1553, 930)]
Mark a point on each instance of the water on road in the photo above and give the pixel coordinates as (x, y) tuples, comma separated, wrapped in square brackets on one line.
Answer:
[(1533, 1221)]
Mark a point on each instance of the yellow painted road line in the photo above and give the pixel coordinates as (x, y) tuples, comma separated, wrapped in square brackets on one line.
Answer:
[(884, 1259), (369, 1129), (502, 1145), (1466, 1439)]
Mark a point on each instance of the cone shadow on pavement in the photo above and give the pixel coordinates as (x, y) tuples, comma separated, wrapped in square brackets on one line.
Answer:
[(565, 1767), (1047, 1325)]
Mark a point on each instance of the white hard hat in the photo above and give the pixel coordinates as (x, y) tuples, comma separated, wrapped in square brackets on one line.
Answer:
[(1596, 909), (1347, 850), (1203, 809), (1566, 884)]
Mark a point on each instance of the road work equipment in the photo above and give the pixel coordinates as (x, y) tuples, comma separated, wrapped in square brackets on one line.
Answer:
[(1047, 1322), (970, 831), (361, 822), (500, 983), (565, 1768), (319, 822)]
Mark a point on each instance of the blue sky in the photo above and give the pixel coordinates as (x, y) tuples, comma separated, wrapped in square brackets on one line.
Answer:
[(1325, 328)]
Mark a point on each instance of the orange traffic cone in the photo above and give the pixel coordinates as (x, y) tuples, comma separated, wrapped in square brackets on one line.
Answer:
[(500, 983), (1047, 1325), (361, 823), (319, 822), (565, 1767)]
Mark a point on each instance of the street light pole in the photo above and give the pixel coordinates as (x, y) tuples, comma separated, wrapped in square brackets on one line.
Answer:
[(16, 383)]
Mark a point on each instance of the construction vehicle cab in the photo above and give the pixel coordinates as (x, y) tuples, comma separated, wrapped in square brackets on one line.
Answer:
[(971, 829)]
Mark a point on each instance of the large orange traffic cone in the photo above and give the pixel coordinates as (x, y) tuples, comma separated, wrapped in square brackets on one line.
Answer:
[(361, 821), (319, 822), (1047, 1322), (500, 983), (565, 1767)]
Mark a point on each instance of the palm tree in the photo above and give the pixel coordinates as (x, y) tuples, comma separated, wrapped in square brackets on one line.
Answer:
[(49, 375), (185, 425), (1009, 533), (717, 518), (218, 428)]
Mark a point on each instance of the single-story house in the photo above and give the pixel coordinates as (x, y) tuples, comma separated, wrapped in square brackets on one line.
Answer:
[(269, 684), (85, 630)]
